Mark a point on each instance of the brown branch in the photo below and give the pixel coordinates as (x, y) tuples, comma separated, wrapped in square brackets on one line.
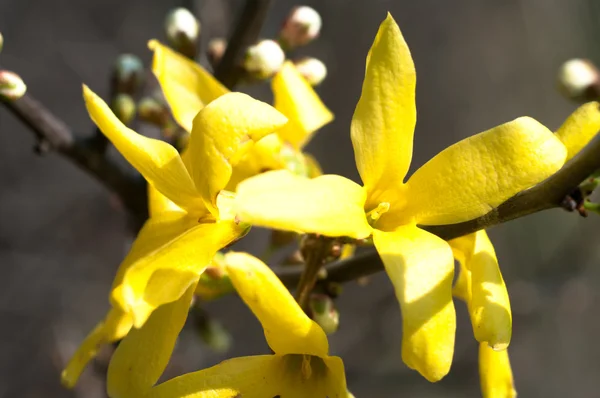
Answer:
[(53, 134), (546, 195), (247, 30)]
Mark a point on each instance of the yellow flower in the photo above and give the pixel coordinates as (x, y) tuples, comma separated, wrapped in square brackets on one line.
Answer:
[(463, 182), (300, 366), (190, 217), (188, 87)]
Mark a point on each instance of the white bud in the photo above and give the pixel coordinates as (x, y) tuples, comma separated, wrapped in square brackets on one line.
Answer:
[(216, 49), (183, 30), (313, 70), (302, 25), (12, 87), (264, 59), (576, 76)]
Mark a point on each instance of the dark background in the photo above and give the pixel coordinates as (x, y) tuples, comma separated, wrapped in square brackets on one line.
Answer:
[(479, 63)]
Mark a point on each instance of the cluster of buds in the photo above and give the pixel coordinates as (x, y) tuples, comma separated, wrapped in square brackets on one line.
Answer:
[(182, 29), (579, 80), (12, 87)]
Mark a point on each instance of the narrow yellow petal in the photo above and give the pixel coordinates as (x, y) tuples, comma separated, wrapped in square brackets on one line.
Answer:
[(421, 267), (297, 100), (288, 329), (384, 120), (223, 131), (462, 248), (495, 373), (330, 205), (263, 376), (174, 256), (159, 203), (142, 356), (580, 128), (187, 86), (157, 161), (114, 327), (475, 175)]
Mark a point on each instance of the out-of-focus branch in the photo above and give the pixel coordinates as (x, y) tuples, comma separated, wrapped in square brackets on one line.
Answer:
[(247, 31), (546, 195), (53, 134)]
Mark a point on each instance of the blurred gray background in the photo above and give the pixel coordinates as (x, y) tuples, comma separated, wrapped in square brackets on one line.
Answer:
[(479, 63)]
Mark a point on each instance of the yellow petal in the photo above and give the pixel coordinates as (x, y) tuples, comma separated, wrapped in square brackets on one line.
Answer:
[(297, 100), (114, 327), (263, 376), (495, 373), (223, 131), (288, 329), (421, 267), (580, 128), (174, 256), (157, 161), (187, 86), (159, 203), (330, 205), (384, 120), (313, 166), (142, 356), (475, 175), (461, 248)]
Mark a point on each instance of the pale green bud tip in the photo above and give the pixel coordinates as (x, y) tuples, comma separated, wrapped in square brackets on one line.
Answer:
[(323, 312), (152, 111), (181, 22), (302, 25), (313, 70), (12, 87), (124, 107), (216, 49), (128, 73), (576, 76), (264, 59)]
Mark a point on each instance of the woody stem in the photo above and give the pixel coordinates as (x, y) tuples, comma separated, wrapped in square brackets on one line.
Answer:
[(315, 250)]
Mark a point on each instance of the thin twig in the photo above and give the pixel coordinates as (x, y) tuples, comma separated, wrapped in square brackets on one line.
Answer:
[(247, 30), (315, 251), (546, 195), (53, 134)]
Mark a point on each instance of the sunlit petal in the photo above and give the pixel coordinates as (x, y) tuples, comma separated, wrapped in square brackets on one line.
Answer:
[(384, 120), (114, 327), (580, 128), (263, 156), (421, 267), (157, 161), (330, 205), (495, 373), (262, 376), (222, 133), (288, 329), (475, 175), (142, 356), (187, 86), (297, 100), (174, 256)]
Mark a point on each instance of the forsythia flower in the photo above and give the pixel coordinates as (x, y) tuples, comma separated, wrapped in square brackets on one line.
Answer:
[(188, 87), (300, 366), (465, 181), (193, 221)]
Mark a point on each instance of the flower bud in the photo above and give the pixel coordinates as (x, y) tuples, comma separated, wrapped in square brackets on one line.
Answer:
[(183, 31), (313, 70), (128, 74), (302, 25), (152, 111), (264, 59), (214, 335), (123, 107), (1, 42), (12, 87), (216, 49), (578, 79), (322, 310)]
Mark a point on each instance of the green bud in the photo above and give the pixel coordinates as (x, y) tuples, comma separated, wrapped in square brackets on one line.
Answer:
[(124, 108), (214, 335), (128, 74), (294, 160), (153, 111), (183, 31), (322, 310), (12, 87)]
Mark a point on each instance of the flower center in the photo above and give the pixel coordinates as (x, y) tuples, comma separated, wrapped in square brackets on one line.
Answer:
[(376, 213)]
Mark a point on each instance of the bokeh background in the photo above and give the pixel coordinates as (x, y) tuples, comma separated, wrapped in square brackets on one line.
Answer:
[(479, 63)]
